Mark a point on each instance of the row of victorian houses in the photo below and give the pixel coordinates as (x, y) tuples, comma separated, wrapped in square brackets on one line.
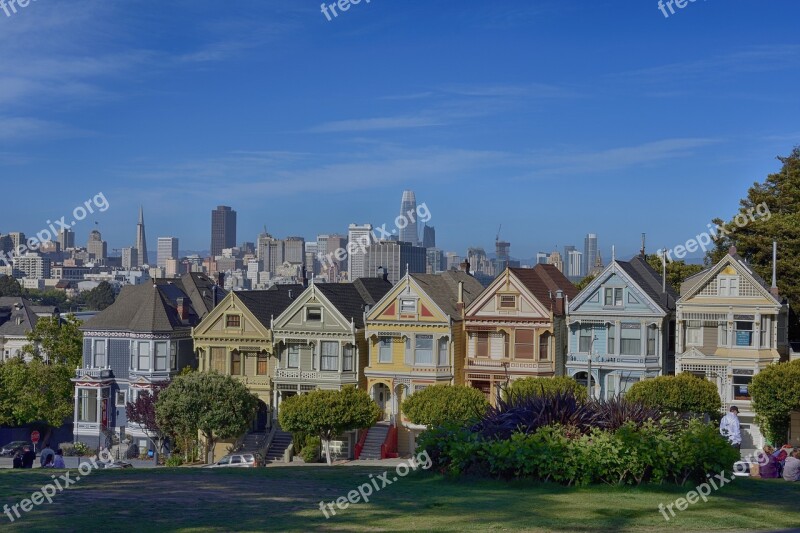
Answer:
[(394, 340)]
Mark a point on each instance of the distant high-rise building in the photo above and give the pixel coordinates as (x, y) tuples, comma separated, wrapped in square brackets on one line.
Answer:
[(408, 213), (130, 258), (96, 246), (555, 259), (589, 252), (335, 260), (270, 252), (541, 258), (453, 261), (395, 257), (437, 261), (358, 238), (141, 240), (17, 240), (248, 248), (223, 229), (32, 266), (312, 264), (575, 264), (567, 259), (167, 249), (428, 236), (294, 250), (66, 238)]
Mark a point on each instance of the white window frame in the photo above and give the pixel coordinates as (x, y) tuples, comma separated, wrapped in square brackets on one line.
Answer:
[(408, 306), (124, 398), (418, 350), (728, 286), (139, 355), (161, 358), (293, 355), (384, 349), (102, 343), (326, 360), (694, 334)]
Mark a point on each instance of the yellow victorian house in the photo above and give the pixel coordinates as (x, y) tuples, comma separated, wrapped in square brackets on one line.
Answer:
[(416, 339), (235, 339)]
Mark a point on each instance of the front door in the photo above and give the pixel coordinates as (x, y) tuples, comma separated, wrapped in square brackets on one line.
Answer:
[(383, 397)]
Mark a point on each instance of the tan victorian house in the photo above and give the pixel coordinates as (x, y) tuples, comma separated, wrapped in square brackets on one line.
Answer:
[(516, 328), (730, 326), (235, 339)]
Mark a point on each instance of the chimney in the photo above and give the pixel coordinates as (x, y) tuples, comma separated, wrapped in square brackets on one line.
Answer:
[(774, 289), (559, 303), (460, 303), (465, 266), (183, 310)]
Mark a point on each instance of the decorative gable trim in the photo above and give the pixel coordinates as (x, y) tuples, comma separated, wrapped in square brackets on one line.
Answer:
[(596, 285), (726, 264)]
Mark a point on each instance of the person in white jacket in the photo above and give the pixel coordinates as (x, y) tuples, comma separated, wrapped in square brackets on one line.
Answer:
[(729, 427)]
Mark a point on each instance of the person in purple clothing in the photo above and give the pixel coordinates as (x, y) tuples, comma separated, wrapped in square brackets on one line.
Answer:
[(770, 462)]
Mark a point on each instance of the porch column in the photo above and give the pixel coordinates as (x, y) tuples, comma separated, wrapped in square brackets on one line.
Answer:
[(643, 336), (76, 414), (757, 332), (99, 406), (341, 356), (678, 336)]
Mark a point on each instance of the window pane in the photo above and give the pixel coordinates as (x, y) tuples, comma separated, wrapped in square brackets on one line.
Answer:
[(585, 339), (313, 314), (523, 344), (631, 339), (651, 340), (144, 356), (508, 302), (236, 364), (482, 344), (385, 350), (262, 365), (423, 352), (609, 297), (218, 360), (618, 297), (443, 352), (330, 355), (741, 387), (408, 306), (544, 346), (293, 358), (347, 361), (612, 339), (744, 334), (161, 355)]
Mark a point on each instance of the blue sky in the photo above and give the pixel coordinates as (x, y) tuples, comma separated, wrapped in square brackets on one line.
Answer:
[(552, 118)]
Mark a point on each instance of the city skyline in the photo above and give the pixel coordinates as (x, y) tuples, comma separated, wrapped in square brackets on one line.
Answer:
[(541, 120)]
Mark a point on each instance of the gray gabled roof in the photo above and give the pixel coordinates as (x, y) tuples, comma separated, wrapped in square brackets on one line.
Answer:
[(443, 289), (17, 316), (265, 305), (650, 281), (153, 307), (351, 299)]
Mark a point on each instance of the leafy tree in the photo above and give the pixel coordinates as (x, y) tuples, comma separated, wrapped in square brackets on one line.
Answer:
[(58, 340), (677, 271), (328, 413), (35, 392), (582, 284), (443, 404), (217, 406), (100, 297), (10, 286), (684, 393), (776, 393), (540, 386), (775, 209), (143, 412)]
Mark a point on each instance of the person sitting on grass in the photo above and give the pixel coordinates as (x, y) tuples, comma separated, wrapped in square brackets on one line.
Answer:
[(791, 469), (58, 461), (770, 462)]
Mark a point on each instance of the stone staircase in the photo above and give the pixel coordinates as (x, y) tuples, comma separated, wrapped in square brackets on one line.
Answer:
[(280, 442), (253, 442), (375, 438)]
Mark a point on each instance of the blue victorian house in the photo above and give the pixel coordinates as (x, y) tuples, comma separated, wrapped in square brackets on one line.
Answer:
[(622, 327), (141, 340)]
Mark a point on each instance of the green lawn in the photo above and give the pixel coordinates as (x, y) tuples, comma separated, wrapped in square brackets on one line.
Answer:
[(287, 499)]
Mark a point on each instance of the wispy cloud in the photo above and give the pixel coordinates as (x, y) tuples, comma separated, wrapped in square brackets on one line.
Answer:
[(380, 123)]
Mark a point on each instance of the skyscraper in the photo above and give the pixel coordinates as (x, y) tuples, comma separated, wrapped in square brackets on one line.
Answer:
[(575, 264), (96, 247), (141, 241), (589, 252), (66, 238), (428, 236), (395, 257), (408, 213), (294, 250), (358, 238), (223, 229), (130, 258), (167, 249)]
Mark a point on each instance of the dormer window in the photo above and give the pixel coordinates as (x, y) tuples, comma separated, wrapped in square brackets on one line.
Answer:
[(508, 301), (313, 314), (408, 306), (233, 321), (613, 297)]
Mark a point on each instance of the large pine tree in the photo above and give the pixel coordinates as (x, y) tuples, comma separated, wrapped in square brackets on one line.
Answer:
[(781, 194)]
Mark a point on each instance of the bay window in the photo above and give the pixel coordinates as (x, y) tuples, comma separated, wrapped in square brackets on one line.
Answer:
[(330, 356), (385, 350), (523, 344), (347, 358), (161, 356), (631, 339), (423, 350)]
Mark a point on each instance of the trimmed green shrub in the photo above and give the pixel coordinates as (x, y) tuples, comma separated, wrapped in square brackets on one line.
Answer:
[(684, 394), (173, 461), (541, 386), (74, 449), (310, 451), (441, 404)]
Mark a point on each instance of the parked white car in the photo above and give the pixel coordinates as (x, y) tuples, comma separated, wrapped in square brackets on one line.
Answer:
[(240, 460)]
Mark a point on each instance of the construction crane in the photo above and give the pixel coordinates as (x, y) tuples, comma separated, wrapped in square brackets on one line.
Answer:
[(497, 239)]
